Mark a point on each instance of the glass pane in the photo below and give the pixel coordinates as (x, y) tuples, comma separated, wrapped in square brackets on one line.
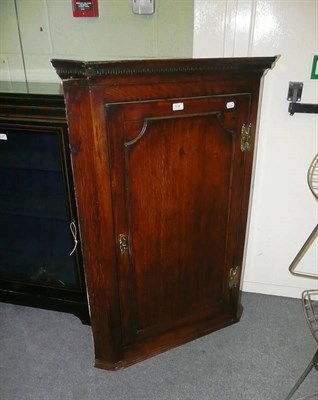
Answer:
[(35, 240)]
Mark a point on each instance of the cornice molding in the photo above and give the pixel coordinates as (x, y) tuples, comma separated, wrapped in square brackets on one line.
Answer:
[(71, 69)]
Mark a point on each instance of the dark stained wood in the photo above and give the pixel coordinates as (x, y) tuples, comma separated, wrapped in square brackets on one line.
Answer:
[(175, 183)]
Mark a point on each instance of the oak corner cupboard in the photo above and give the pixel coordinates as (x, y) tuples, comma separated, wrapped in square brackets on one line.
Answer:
[(162, 154)]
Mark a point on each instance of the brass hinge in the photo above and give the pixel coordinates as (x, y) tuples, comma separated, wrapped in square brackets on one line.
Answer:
[(246, 137), (234, 277), (123, 243)]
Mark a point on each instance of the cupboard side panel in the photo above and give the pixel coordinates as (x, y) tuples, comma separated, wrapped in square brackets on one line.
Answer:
[(93, 195)]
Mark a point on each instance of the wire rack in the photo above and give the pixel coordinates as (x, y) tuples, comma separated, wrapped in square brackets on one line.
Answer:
[(312, 179), (312, 176), (309, 297), (310, 306)]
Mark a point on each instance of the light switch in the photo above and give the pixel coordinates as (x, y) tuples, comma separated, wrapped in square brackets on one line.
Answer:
[(143, 7)]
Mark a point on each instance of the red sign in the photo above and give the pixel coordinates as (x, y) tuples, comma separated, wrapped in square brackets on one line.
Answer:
[(88, 8)]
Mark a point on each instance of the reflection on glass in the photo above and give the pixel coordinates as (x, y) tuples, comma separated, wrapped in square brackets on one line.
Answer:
[(35, 241)]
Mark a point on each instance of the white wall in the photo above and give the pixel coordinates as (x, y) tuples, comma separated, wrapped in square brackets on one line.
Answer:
[(283, 211)]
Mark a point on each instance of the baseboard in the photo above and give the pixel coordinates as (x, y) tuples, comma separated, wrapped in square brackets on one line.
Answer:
[(275, 290)]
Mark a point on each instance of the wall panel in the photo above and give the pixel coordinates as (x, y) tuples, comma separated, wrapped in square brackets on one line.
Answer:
[(283, 211)]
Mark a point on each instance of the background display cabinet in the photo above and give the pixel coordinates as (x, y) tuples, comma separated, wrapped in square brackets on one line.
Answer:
[(162, 154), (40, 263)]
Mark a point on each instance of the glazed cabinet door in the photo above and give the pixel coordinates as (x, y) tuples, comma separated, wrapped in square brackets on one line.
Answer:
[(40, 257), (177, 173)]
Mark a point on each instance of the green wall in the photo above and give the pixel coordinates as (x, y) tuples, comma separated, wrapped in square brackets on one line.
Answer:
[(49, 30)]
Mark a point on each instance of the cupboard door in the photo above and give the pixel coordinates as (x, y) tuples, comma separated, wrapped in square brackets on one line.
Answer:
[(177, 173)]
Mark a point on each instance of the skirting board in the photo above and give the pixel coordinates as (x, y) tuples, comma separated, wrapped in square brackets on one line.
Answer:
[(277, 290)]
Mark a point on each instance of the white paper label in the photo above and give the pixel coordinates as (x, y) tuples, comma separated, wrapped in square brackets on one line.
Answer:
[(230, 104), (177, 106), (3, 136)]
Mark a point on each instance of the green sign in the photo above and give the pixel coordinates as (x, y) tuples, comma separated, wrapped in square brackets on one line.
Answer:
[(314, 71)]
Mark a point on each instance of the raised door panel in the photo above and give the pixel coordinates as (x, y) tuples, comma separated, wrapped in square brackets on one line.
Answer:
[(176, 171)]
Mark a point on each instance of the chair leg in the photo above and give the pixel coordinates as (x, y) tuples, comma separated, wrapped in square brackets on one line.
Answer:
[(303, 376)]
